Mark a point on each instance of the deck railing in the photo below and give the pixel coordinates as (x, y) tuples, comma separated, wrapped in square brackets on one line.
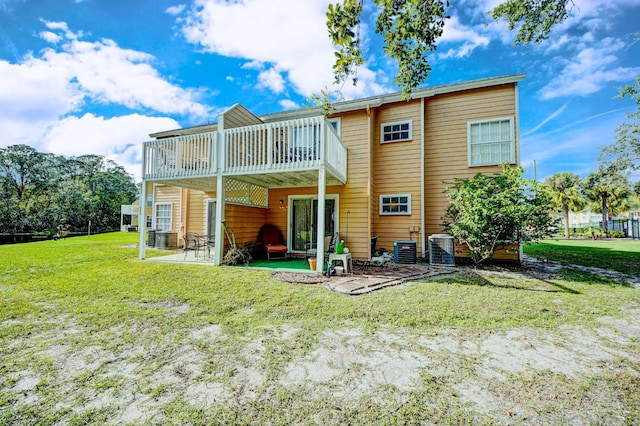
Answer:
[(302, 144), (181, 156)]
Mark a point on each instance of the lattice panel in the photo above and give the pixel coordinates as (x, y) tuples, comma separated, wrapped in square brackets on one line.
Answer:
[(247, 194)]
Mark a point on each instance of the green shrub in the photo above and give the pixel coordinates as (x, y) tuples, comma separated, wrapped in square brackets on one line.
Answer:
[(592, 232), (616, 234)]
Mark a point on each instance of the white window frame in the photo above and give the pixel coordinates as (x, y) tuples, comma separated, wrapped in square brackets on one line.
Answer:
[(409, 131), (511, 141), (155, 215), (335, 123), (292, 198), (149, 221), (382, 204)]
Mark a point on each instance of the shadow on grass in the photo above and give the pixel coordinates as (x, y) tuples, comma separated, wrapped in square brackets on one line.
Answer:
[(526, 282), (619, 255), (570, 274), (531, 281)]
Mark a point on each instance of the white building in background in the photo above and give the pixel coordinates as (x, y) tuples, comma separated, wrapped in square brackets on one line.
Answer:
[(584, 219)]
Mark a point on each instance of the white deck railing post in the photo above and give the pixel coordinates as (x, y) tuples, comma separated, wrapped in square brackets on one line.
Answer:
[(321, 219), (142, 214)]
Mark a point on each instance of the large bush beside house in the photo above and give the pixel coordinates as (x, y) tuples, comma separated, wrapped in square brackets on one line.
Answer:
[(490, 212)]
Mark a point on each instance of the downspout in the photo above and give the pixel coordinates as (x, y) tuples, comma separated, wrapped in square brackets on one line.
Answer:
[(142, 214), (422, 171), (370, 120)]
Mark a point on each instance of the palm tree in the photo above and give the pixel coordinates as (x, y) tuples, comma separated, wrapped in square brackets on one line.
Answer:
[(608, 190), (564, 188)]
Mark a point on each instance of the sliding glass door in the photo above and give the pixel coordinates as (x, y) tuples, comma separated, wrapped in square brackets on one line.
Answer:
[(304, 216)]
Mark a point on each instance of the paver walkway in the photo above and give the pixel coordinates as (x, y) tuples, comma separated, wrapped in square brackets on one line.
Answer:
[(359, 284)]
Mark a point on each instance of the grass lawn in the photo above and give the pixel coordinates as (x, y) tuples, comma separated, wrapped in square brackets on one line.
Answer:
[(622, 255), (89, 334)]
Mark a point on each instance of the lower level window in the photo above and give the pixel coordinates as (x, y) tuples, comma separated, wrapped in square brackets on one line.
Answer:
[(397, 204), (163, 217)]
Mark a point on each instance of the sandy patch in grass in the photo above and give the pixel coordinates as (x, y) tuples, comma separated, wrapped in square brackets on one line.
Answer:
[(348, 364), (508, 375)]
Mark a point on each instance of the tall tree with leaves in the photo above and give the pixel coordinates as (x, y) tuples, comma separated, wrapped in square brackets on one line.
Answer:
[(624, 153), (565, 191), (490, 212), (411, 28), (609, 193), (26, 176), (39, 191)]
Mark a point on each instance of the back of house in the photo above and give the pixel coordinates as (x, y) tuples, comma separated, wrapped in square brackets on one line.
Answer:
[(376, 169)]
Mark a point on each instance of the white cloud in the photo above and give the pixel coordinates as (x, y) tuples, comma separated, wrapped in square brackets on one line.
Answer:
[(53, 25), (175, 10), (455, 33), (118, 138), (50, 37), (41, 96), (555, 114), (253, 65), (272, 80), (556, 44), (108, 73), (32, 96), (288, 104), (589, 71), (290, 35)]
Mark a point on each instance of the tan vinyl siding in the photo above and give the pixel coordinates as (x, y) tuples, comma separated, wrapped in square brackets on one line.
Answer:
[(275, 214), (396, 170), (356, 193), (245, 222), (197, 212), (169, 194), (446, 155)]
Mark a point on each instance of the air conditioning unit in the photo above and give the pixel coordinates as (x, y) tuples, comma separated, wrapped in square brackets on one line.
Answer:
[(441, 250), (404, 252)]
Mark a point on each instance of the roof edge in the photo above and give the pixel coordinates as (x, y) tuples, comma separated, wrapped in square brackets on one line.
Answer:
[(183, 131), (424, 92), (356, 104)]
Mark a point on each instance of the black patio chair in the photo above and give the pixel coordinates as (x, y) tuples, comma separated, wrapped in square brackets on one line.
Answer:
[(193, 242)]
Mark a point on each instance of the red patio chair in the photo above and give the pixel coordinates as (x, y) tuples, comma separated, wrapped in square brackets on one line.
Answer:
[(271, 238)]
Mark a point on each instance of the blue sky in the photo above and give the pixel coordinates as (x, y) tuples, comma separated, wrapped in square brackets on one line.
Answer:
[(97, 76)]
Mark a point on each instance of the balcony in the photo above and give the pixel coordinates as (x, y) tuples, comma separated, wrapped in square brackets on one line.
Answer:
[(273, 155)]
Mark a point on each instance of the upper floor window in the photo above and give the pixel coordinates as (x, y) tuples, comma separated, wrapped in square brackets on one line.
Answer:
[(398, 131), (491, 142), (395, 204)]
